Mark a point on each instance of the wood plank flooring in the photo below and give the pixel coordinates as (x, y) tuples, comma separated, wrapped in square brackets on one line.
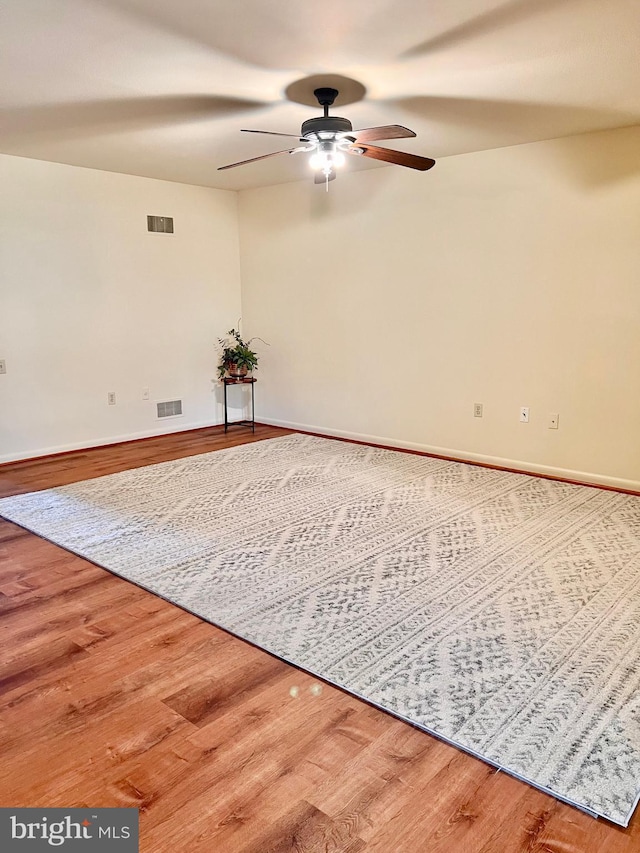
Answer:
[(112, 697)]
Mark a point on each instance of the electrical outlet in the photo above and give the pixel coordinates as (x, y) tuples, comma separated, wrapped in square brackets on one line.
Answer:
[(111, 398), (477, 410), (3, 365), (145, 393), (524, 414), (552, 421)]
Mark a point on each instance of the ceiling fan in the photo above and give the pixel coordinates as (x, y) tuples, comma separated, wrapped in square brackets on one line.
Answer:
[(331, 137)]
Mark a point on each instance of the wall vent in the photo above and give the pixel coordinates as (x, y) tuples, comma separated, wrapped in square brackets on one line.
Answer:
[(160, 224), (169, 409)]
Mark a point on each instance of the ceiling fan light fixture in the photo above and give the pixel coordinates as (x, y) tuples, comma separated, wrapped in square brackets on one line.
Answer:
[(326, 157)]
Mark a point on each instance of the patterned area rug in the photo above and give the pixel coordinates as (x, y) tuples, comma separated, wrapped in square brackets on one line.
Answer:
[(498, 611)]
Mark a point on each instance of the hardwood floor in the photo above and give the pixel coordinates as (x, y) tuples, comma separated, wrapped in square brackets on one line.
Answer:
[(113, 697)]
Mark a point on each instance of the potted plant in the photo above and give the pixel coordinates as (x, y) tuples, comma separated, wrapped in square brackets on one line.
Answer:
[(237, 359)]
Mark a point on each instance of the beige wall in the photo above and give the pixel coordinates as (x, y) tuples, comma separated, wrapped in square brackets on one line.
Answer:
[(507, 277), (91, 302)]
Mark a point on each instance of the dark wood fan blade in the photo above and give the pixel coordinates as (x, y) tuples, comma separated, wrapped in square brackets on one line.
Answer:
[(263, 157), (273, 133), (400, 158), (320, 178), (389, 131)]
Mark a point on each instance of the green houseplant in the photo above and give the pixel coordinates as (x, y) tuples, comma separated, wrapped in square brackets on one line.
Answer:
[(237, 358)]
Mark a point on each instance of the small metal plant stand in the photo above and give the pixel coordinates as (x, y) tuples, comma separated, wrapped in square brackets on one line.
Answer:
[(247, 380)]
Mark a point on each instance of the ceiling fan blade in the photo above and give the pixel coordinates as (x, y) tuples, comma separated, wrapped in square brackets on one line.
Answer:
[(263, 157), (399, 158), (272, 133), (320, 177), (389, 131)]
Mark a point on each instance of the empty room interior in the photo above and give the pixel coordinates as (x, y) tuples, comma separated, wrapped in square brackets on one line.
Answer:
[(320, 425)]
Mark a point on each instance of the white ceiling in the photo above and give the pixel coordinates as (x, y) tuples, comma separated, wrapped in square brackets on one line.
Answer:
[(161, 88)]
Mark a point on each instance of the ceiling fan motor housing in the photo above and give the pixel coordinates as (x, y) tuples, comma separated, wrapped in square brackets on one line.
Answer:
[(326, 124)]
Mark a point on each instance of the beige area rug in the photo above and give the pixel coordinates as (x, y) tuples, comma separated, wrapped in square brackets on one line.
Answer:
[(499, 611)]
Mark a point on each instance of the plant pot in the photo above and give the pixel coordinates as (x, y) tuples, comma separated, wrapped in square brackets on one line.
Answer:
[(237, 371)]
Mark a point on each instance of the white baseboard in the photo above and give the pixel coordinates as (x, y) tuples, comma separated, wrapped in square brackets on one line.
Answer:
[(101, 442), (587, 477)]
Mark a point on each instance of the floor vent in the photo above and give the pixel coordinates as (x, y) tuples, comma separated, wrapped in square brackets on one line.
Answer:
[(169, 409), (160, 224)]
